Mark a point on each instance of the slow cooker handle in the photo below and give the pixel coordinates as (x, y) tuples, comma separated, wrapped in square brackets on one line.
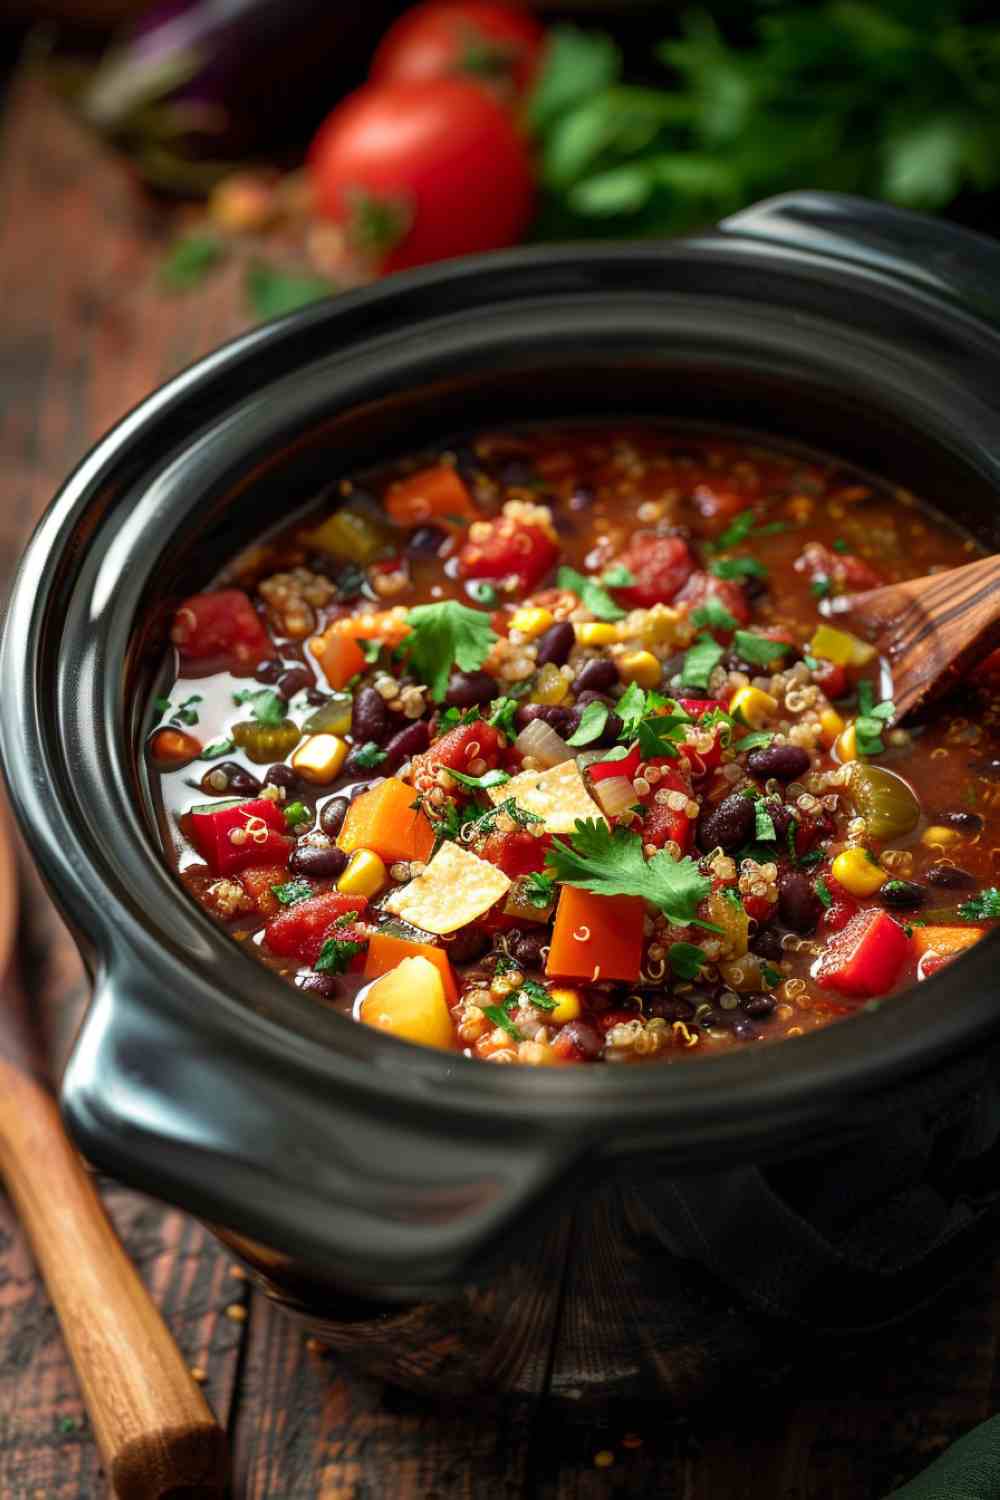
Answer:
[(953, 262)]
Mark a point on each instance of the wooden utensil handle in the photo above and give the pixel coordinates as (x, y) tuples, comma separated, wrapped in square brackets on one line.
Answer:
[(157, 1435)]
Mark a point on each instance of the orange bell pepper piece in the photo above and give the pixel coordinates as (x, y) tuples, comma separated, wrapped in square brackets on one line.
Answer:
[(945, 940), (436, 494), (386, 821), (596, 937), (386, 951), (340, 657)]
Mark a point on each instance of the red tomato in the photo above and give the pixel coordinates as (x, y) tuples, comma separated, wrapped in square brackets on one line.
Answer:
[(716, 505), (831, 677), (301, 930), (516, 853), (417, 172), (845, 570), (701, 586), (661, 823), (660, 565), (512, 547), (456, 751), (221, 624), (487, 43), (865, 958)]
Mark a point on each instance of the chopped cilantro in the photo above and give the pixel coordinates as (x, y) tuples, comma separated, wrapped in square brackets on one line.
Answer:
[(632, 706), (296, 812), (823, 891), (538, 889), (744, 525), (820, 586), (755, 741), (592, 724), (161, 705), (292, 892), (840, 545), (481, 591), (738, 567), (368, 755), (502, 711), (771, 975), (731, 893), (764, 830), (591, 593), (617, 577), (487, 821), (216, 749), (713, 615), (981, 907), (336, 954), (757, 648), (700, 661), (660, 734), (445, 635), (611, 863), (481, 783), (370, 650), (452, 718), (537, 994), (814, 857), (686, 960), (446, 821), (499, 1017), (267, 706)]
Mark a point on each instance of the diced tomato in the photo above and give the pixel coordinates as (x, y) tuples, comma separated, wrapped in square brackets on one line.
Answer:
[(701, 586), (627, 766), (831, 677), (847, 572), (660, 565), (456, 751), (516, 853), (301, 930), (566, 1049), (258, 880), (221, 624), (864, 959), (230, 836), (660, 823), (512, 548), (810, 829), (717, 504), (697, 708)]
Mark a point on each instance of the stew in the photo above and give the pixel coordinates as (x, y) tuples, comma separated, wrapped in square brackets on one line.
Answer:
[(541, 749)]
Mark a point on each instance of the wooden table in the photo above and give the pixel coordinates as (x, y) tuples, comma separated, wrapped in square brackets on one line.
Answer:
[(84, 333)]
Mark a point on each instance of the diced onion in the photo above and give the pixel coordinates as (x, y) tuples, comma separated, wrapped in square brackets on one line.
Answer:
[(540, 740), (616, 795)]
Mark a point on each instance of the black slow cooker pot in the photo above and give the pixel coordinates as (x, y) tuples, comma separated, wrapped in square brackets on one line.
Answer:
[(458, 1227)]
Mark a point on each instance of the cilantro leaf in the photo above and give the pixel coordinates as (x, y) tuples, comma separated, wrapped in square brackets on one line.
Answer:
[(632, 707), (823, 891), (981, 907), (443, 635), (744, 525), (481, 783), (189, 260), (839, 545), (617, 577), (686, 960), (267, 706), (486, 822), (216, 750), (758, 740), (271, 292), (660, 734), (499, 1017), (368, 755), (758, 649), (700, 661), (445, 820), (537, 994), (764, 830), (771, 975), (537, 888), (738, 567), (502, 711), (820, 586), (611, 863), (336, 954), (371, 650), (592, 724), (292, 892), (713, 615), (591, 593), (452, 717)]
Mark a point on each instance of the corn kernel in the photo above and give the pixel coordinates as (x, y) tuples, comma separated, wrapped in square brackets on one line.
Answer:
[(550, 685), (365, 875), (753, 706), (531, 622), (830, 724), (840, 646), (567, 1006), (319, 758), (596, 633), (640, 667), (845, 746), (660, 624), (937, 834), (853, 869)]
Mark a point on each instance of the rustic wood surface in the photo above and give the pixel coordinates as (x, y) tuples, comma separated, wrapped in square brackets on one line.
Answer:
[(84, 333)]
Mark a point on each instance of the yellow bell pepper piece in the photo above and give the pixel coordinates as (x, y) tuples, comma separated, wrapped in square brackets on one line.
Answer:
[(840, 646), (855, 871), (938, 835), (846, 744), (830, 725)]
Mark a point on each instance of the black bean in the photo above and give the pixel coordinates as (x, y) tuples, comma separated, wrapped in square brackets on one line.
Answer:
[(767, 944), (950, 876), (585, 1037), (332, 815), (728, 826), (413, 740), (528, 950), (743, 1029), (426, 541), (369, 717), (317, 861), (468, 944), (784, 762), (468, 689), (293, 680), (554, 645), (322, 986), (758, 1006), (562, 720), (281, 775), (596, 675), (269, 671), (959, 817), (902, 895), (799, 907), (238, 780)]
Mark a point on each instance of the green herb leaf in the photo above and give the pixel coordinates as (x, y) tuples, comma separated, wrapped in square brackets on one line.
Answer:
[(292, 892), (738, 567), (732, 895), (576, 65), (502, 712), (983, 907), (814, 857), (591, 593), (758, 649), (592, 724), (660, 734), (368, 755), (267, 706), (452, 718), (764, 830), (189, 260), (538, 889), (612, 863), (297, 812), (481, 783), (713, 615), (744, 525), (336, 954), (617, 577), (686, 960), (758, 740), (771, 976), (537, 994), (820, 586), (271, 292), (823, 891), (445, 635), (216, 750), (500, 1018), (371, 650), (700, 661)]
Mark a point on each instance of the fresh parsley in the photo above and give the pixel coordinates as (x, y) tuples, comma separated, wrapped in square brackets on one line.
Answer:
[(537, 994), (216, 750), (981, 907), (486, 822), (367, 755), (612, 863), (758, 649), (770, 975), (336, 954), (871, 720), (499, 1017), (617, 577), (502, 711), (481, 783), (839, 545), (591, 593), (686, 960), (292, 892), (271, 291), (820, 586), (445, 635), (700, 661), (189, 260), (823, 891), (759, 739), (453, 718), (184, 713), (633, 706), (738, 567), (538, 889), (267, 706), (744, 525), (713, 615), (764, 830), (593, 722)]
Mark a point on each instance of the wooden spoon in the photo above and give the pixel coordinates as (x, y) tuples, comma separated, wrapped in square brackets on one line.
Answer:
[(157, 1435), (930, 630)]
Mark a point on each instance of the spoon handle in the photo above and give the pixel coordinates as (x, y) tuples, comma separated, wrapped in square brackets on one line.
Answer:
[(156, 1432)]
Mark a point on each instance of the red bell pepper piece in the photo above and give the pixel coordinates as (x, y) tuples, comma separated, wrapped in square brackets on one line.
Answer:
[(864, 959), (697, 708), (509, 548), (230, 836), (627, 766)]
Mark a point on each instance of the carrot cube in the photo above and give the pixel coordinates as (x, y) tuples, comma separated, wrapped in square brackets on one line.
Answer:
[(437, 494), (386, 821), (945, 940), (339, 656), (596, 937)]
